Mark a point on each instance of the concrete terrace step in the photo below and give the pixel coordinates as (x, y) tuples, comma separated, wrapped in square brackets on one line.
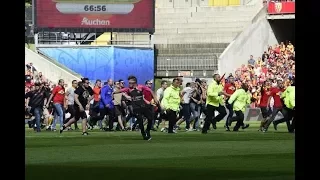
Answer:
[(204, 9), (194, 46), (222, 15), (197, 30), (190, 50), (203, 25), (203, 19), (227, 8), (194, 40), (186, 56), (197, 35), (173, 15), (175, 10), (186, 52)]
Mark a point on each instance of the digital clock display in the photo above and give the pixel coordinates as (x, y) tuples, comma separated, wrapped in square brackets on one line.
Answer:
[(70, 8)]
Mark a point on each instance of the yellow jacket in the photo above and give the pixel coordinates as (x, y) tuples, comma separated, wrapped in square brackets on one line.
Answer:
[(213, 97)]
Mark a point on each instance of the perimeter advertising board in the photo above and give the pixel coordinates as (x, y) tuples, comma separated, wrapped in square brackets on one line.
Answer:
[(95, 14)]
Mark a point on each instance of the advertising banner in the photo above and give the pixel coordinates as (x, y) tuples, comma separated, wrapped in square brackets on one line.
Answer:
[(95, 14), (281, 8)]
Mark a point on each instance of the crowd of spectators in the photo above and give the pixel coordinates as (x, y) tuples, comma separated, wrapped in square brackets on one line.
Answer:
[(277, 63), (32, 75)]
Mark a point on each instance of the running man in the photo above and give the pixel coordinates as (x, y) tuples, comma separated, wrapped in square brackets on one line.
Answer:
[(240, 99), (82, 95), (134, 93), (214, 103)]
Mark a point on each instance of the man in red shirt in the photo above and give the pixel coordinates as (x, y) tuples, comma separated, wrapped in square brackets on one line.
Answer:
[(148, 99), (264, 103), (229, 89), (277, 107), (58, 98), (135, 94)]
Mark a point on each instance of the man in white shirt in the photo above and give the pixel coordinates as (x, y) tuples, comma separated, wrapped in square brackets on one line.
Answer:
[(187, 93), (160, 117), (70, 101), (161, 90)]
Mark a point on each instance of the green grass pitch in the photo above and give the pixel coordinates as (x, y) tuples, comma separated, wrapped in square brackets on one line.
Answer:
[(218, 155)]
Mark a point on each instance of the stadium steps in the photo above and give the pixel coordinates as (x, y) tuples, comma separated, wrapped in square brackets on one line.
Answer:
[(50, 68), (130, 38), (189, 25), (190, 51), (103, 39), (177, 46), (187, 62)]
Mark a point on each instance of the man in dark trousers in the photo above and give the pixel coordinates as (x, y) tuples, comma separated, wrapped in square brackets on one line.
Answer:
[(106, 103), (288, 110), (171, 103), (278, 104), (139, 107), (82, 95), (229, 88), (38, 98), (214, 103)]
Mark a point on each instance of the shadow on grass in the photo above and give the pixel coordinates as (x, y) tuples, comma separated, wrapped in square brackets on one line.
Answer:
[(79, 172)]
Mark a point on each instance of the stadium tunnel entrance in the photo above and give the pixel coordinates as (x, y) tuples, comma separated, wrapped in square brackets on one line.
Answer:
[(283, 29)]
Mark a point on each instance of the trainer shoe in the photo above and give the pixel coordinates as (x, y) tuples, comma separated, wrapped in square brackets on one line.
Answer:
[(275, 125), (227, 128), (85, 134), (148, 136), (245, 126), (214, 126)]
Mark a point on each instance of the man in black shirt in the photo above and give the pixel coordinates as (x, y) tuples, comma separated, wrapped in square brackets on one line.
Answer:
[(139, 107), (38, 98), (82, 97)]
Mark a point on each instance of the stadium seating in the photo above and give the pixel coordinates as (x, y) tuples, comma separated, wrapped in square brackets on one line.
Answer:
[(193, 35), (210, 22)]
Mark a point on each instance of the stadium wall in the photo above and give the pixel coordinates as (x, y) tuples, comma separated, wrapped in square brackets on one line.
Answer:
[(254, 40), (49, 69), (106, 62)]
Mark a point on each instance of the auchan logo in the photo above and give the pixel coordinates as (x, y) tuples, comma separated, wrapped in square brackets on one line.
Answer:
[(95, 22)]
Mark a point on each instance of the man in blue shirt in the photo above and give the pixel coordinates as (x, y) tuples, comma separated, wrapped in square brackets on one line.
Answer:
[(106, 104), (251, 61)]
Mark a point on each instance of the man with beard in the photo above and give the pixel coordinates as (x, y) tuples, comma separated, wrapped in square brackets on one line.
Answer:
[(229, 89), (135, 94), (240, 99), (214, 103), (278, 105), (82, 95)]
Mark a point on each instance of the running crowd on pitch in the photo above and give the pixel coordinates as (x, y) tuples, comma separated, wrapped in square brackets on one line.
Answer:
[(133, 107)]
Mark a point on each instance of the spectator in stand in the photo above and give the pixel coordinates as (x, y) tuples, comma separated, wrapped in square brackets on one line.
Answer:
[(265, 56), (251, 61)]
